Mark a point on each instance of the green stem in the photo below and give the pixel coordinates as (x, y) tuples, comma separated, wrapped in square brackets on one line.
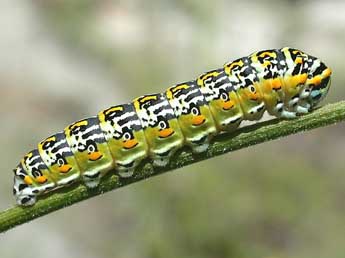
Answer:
[(251, 135)]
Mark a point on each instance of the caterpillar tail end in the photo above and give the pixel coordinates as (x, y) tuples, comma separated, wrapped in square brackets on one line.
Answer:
[(26, 200)]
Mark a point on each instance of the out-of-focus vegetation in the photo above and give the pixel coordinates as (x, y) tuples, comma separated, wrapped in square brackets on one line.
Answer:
[(64, 60)]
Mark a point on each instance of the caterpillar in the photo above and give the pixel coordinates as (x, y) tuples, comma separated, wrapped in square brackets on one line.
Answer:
[(284, 82)]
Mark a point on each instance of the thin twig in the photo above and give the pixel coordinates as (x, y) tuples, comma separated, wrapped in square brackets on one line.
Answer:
[(242, 138)]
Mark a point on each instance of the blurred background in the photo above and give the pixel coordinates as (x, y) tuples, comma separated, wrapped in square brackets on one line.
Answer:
[(62, 60)]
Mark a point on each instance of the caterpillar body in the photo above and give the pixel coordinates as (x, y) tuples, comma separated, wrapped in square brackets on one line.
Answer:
[(284, 82)]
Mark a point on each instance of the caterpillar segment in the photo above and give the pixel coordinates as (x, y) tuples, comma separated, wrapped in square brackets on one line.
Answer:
[(59, 159), (245, 83), (90, 149), (285, 82), (269, 67), (222, 99), (125, 137), (161, 128), (193, 115)]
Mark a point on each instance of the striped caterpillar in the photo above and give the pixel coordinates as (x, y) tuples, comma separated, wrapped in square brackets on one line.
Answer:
[(284, 82)]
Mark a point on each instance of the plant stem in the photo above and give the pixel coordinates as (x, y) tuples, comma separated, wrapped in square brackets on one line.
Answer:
[(242, 138)]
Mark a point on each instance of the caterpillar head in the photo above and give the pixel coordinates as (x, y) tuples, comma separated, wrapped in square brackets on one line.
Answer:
[(319, 82)]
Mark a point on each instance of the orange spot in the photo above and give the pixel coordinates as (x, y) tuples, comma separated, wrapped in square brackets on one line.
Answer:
[(28, 180), (65, 168), (41, 179), (95, 156), (276, 84), (165, 133), (303, 78), (198, 120), (298, 80), (253, 96), (316, 80), (130, 144), (227, 105)]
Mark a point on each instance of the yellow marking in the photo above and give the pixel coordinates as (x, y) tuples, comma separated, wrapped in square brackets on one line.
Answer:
[(198, 120), (50, 139), (170, 92), (114, 109), (65, 168), (78, 124), (205, 76), (165, 133), (147, 98), (226, 105), (230, 66), (29, 155), (130, 144), (179, 87), (266, 63), (268, 53), (327, 72), (298, 79), (298, 60), (95, 156), (136, 105), (28, 180), (297, 52), (41, 179), (141, 100), (316, 80), (302, 78)]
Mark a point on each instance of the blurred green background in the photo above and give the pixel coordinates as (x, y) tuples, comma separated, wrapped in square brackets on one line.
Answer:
[(64, 60)]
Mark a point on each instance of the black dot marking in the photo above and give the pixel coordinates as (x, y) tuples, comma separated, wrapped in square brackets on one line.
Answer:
[(14, 191), (261, 108), (22, 186), (235, 120), (36, 191), (25, 200), (129, 165), (163, 154), (93, 176), (200, 141)]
